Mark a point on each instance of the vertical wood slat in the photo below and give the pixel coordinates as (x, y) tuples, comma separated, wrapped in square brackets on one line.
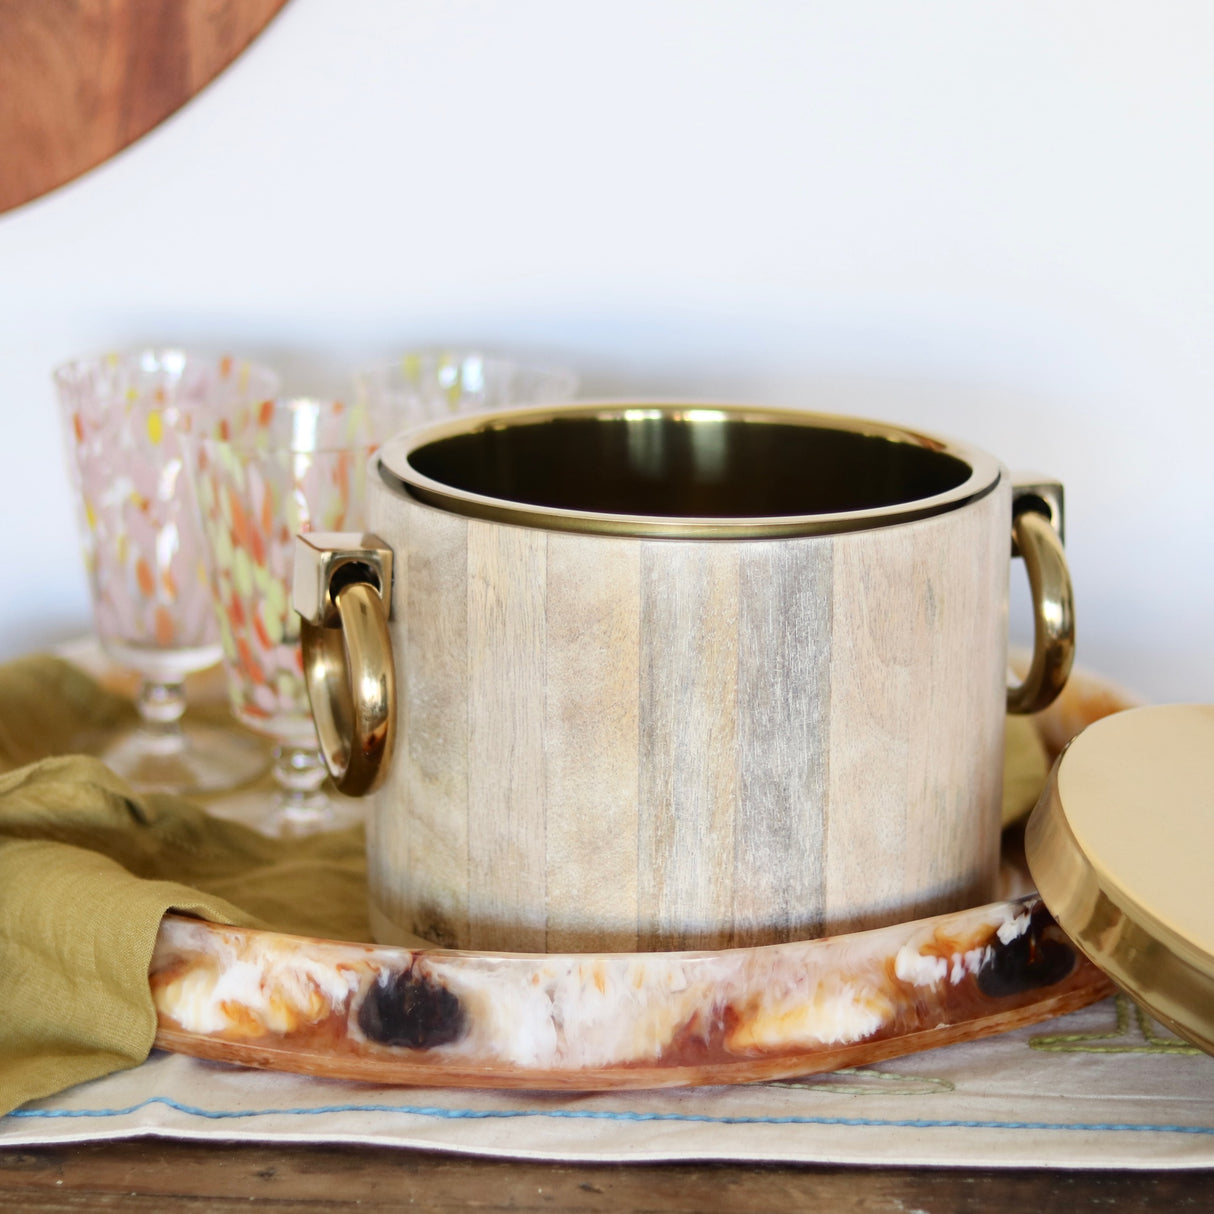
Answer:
[(424, 833), (917, 620), (783, 741), (872, 708), (591, 735), (688, 784), (961, 774), (507, 693)]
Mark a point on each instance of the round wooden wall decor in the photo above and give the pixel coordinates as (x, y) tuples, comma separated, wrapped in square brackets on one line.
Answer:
[(84, 79)]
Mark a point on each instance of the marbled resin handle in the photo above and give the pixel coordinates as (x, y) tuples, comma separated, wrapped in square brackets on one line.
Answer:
[(582, 1021)]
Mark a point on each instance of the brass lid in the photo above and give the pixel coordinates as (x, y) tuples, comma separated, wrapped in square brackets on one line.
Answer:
[(1120, 847)]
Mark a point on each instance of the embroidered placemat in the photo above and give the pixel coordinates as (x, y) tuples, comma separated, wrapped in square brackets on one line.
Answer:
[(1104, 1087)]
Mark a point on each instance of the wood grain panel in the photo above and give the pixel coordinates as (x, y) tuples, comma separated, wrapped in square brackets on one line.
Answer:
[(961, 774), (783, 739), (83, 79), (689, 710), (592, 733), (874, 679), (507, 582), (425, 832)]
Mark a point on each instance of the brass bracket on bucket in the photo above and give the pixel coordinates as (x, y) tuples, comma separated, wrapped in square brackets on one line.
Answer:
[(343, 594), (1037, 529)]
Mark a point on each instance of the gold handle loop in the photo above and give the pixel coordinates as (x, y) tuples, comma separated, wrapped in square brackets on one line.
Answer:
[(1039, 544), (352, 687)]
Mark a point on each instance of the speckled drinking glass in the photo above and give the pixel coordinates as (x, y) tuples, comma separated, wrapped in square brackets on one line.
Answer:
[(292, 465), (427, 385), (123, 418)]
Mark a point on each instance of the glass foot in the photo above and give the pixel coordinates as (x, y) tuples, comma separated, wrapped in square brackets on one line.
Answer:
[(194, 758), (289, 817), (285, 816)]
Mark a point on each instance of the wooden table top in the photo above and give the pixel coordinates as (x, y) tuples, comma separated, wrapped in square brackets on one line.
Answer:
[(164, 1176)]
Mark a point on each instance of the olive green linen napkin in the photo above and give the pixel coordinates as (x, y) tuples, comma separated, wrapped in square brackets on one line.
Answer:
[(88, 868)]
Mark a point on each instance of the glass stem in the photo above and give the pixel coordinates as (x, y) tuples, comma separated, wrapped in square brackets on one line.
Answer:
[(302, 804), (161, 707), (299, 774)]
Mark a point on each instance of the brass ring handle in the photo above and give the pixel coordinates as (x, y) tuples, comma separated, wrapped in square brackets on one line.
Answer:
[(1053, 613), (351, 684)]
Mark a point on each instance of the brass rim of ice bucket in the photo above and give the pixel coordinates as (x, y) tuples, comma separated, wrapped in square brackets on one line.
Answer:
[(738, 447)]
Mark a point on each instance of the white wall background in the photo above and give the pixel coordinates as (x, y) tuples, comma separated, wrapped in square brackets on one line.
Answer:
[(996, 221)]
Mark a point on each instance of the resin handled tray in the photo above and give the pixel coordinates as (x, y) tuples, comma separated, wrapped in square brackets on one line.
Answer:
[(588, 1022)]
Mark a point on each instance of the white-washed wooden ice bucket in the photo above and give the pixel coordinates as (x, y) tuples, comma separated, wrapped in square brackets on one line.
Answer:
[(674, 676)]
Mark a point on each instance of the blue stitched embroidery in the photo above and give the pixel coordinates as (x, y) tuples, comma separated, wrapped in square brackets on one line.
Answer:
[(608, 1115)]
